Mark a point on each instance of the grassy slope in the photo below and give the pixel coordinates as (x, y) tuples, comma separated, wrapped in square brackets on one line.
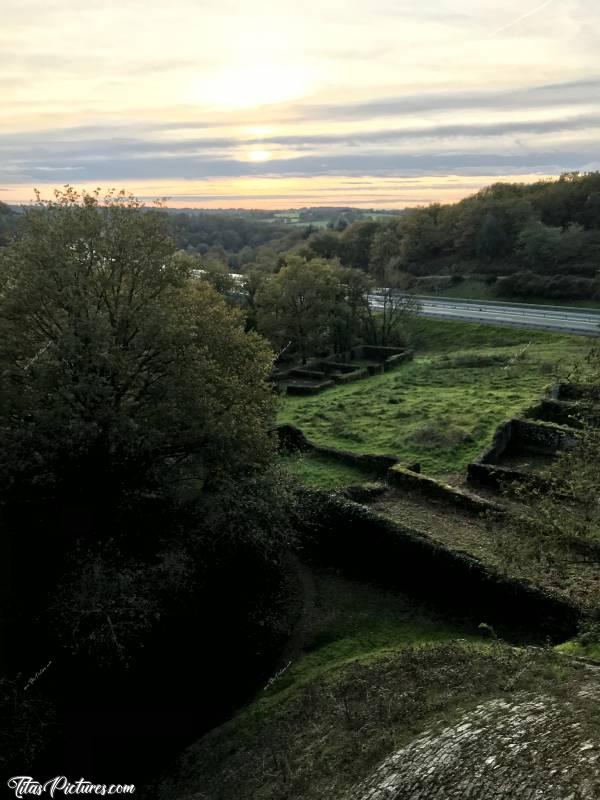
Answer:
[(442, 409), (351, 619), (375, 671), (324, 473)]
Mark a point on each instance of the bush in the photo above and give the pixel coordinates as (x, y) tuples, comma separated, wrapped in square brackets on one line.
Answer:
[(527, 286)]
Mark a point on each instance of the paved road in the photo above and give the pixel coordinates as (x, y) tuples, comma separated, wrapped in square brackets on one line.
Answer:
[(555, 318)]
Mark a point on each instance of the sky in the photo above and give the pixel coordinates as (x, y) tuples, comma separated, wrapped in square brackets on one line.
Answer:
[(221, 104)]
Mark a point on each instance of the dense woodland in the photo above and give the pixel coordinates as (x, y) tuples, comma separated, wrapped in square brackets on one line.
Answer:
[(525, 240)]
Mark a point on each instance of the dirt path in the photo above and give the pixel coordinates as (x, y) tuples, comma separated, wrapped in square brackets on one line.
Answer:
[(307, 592)]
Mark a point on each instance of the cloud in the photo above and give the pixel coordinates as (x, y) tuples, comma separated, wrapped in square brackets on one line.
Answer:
[(99, 144), (141, 89), (392, 164), (572, 93), (523, 17)]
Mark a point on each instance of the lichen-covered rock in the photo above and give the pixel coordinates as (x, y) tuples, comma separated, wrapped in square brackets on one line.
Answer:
[(531, 747)]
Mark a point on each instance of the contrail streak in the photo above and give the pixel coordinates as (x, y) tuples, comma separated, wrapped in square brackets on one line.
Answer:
[(522, 17)]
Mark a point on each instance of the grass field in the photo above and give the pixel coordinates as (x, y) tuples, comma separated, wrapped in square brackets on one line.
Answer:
[(442, 409)]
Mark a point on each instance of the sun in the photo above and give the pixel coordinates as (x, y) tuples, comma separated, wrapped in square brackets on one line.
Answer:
[(259, 155)]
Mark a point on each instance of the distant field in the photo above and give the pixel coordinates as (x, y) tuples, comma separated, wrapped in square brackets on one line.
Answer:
[(293, 218), (442, 409)]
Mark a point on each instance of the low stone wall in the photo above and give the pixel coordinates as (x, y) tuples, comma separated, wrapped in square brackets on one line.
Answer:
[(376, 353), (389, 357), (574, 414), (557, 411), (339, 369), (306, 388), (500, 444), (350, 377), (365, 546), (518, 437), (336, 366), (540, 437), (497, 477), (429, 487), (307, 374), (292, 439), (400, 358), (575, 391)]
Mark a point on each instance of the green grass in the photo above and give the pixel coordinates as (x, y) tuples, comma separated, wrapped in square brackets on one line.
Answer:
[(442, 409), (353, 620), (575, 648), (325, 473)]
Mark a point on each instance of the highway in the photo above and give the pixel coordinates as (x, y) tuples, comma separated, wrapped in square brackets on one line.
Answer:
[(584, 322)]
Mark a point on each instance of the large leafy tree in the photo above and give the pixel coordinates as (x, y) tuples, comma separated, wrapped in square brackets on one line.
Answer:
[(118, 373), (297, 306), (135, 427)]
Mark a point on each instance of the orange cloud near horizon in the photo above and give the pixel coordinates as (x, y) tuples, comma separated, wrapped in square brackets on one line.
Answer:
[(279, 193)]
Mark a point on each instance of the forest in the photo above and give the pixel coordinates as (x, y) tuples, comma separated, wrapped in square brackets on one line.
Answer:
[(537, 241)]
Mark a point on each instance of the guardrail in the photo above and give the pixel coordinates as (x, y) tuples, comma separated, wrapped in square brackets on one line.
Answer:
[(508, 308)]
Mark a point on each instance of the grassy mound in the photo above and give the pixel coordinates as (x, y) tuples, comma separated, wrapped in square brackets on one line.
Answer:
[(325, 737)]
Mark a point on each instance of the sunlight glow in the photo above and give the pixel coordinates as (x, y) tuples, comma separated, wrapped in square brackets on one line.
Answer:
[(259, 155), (252, 85), (258, 130)]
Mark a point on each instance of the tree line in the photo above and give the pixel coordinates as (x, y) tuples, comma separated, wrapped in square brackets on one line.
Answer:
[(540, 239)]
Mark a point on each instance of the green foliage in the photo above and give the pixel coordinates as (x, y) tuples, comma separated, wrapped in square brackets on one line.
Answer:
[(388, 325), (551, 227), (537, 246), (311, 306), (8, 223), (528, 286), (386, 249), (491, 241), (135, 429), (238, 237), (118, 373), (107, 604), (296, 307)]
